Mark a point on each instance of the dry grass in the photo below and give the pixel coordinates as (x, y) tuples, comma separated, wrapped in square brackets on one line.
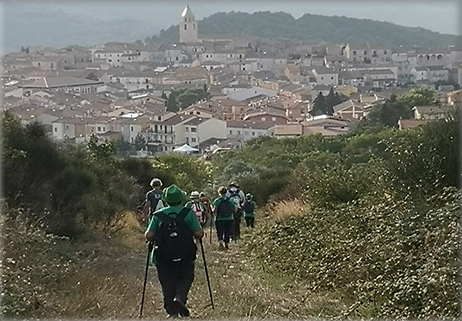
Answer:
[(281, 210), (105, 280)]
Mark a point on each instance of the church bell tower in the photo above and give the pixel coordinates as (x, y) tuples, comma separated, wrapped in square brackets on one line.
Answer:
[(188, 26)]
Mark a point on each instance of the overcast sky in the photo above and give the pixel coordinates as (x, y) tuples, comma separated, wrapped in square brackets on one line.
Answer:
[(441, 16), (53, 23)]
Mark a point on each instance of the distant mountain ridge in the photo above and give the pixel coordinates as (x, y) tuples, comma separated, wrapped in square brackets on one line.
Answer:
[(312, 28)]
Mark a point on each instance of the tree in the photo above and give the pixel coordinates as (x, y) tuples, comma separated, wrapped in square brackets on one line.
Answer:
[(139, 42), (140, 142), (388, 113), (332, 99), (171, 103), (319, 106), (418, 97), (92, 76)]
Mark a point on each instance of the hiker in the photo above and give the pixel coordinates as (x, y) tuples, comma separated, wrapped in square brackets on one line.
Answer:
[(237, 196), (173, 229), (153, 200), (198, 208), (224, 210), (204, 200), (249, 208)]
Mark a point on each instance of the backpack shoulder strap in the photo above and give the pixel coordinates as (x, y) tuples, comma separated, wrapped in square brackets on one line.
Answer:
[(183, 213)]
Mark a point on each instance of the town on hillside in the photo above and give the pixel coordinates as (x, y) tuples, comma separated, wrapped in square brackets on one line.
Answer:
[(201, 96)]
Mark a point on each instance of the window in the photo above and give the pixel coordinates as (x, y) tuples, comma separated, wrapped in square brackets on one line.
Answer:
[(99, 128), (354, 52), (385, 52), (230, 132), (238, 132), (104, 129), (186, 129), (193, 139), (332, 78), (253, 133), (160, 127), (56, 129), (131, 128), (185, 27), (159, 118), (187, 140), (193, 129)]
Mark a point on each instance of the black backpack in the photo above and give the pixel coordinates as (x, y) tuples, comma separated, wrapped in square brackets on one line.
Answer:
[(225, 208), (248, 207), (174, 240)]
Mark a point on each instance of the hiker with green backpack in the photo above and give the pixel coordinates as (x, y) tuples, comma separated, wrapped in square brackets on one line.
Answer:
[(249, 208), (173, 230), (224, 210)]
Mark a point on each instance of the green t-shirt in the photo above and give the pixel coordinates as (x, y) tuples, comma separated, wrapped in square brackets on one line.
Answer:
[(216, 203), (190, 220), (251, 214)]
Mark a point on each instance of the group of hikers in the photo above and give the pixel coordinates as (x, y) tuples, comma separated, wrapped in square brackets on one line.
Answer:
[(173, 227)]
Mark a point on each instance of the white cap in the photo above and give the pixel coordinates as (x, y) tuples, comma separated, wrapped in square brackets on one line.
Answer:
[(195, 194)]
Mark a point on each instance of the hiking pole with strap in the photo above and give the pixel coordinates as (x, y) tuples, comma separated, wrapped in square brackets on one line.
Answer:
[(150, 247), (206, 273)]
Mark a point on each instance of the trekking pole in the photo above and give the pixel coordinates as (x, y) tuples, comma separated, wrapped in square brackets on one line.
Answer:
[(211, 229), (150, 247), (206, 273)]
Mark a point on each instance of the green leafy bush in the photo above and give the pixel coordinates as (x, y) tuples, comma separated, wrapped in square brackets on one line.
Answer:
[(394, 258)]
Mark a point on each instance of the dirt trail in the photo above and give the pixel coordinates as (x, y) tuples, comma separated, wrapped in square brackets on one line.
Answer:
[(240, 290)]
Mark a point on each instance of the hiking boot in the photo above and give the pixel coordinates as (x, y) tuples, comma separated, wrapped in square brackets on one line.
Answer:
[(181, 308), (172, 316), (221, 245), (226, 246)]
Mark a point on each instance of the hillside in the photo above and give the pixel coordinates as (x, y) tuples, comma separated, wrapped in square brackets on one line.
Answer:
[(311, 28), (362, 225)]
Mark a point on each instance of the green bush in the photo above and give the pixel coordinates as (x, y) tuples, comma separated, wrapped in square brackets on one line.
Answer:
[(394, 258)]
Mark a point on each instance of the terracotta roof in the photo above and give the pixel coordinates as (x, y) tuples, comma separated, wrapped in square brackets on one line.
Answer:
[(250, 124), (57, 82), (410, 123), (177, 119), (288, 130)]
